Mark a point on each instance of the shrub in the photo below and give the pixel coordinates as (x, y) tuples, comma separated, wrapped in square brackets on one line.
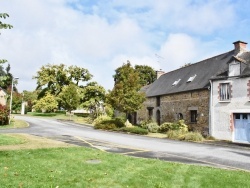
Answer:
[(165, 127), (105, 122), (193, 136), (176, 134), (119, 122), (99, 119), (135, 130), (152, 127), (4, 115), (144, 123), (180, 125), (105, 126)]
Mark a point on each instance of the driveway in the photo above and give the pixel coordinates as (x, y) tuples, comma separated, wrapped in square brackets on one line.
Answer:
[(139, 146)]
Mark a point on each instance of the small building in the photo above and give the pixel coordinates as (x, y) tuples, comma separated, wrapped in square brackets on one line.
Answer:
[(230, 99), (3, 97), (185, 93)]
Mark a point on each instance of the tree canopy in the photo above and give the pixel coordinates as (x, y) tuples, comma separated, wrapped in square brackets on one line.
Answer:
[(47, 104), (69, 97), (92, 96), (146, 73), (5, 76), (52, 78), (125, 96)]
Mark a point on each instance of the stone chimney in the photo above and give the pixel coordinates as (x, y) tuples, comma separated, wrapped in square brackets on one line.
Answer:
[(159, 73), (239, 46)]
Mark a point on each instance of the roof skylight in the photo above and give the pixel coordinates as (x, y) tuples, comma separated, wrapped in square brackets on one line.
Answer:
[(191, 78), (176, 82)]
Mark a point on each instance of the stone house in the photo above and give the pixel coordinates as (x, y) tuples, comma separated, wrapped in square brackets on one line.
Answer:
[(3, 97), (185, 93), (230, 99)]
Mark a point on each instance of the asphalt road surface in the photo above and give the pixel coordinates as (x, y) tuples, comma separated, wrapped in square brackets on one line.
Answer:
[(139, 146)]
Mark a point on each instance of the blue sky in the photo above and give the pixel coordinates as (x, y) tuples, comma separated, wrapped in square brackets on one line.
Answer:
[(102, 35)]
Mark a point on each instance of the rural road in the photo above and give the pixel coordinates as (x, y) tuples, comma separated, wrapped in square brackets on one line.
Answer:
[(140, 146)]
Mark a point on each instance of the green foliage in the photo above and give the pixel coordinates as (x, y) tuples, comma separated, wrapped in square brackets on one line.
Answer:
[(4, 25), (2, 61), (125, 96), (46, 104), (93, 98), (53, 78), (69, 97), (29, 97), (105, 125), (4, 115), (100, 119), (193, 136), (152, 127), (176, 134), (135, 130), (109, 110), (109, 124), (146, 73), (180, 125), (16, 102)]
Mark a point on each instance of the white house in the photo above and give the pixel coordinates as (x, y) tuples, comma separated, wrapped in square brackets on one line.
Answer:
[(230, 98)]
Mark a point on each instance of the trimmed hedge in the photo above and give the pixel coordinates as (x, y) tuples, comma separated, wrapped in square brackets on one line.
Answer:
[(135, 130)]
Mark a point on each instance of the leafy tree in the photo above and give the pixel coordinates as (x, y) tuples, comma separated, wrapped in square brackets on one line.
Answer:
[(4, 25), (146, 73), (48, 103), (92, 95), (52, 78), (29, 97), (125, 96), (4, 76), (16, 101), (69, 97)]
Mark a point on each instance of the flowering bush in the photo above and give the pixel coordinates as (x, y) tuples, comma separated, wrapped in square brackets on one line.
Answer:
[(4, 115)]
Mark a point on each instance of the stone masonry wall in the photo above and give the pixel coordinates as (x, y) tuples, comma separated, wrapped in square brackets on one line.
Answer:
[(176, 105)]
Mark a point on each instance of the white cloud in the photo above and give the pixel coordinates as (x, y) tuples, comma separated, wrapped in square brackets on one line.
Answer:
[(102, 35)]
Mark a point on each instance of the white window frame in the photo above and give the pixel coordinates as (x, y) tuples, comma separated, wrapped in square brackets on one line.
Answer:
[(225, 92)]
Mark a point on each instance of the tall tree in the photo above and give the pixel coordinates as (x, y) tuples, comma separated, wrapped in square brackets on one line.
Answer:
[(125, 96), (92, 97), (52, 78), (146, 73), (69, 97), (4, 77)]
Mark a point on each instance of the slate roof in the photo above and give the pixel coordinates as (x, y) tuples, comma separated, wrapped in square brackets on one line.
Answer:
[(204, 71)]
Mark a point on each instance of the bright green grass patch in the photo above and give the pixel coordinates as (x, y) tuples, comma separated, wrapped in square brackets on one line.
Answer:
[(15, 123), (69, 167), (10, 140)]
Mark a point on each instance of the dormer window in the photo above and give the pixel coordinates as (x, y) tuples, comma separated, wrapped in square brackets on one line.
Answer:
[(191, 78), (234, 68), (176, 82)]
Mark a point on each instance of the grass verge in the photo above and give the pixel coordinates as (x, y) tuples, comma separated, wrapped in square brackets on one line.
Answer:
[(85, 167), (11, 140), (15, 123)]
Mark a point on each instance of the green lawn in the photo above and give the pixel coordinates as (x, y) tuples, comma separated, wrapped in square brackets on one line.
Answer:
[(10, 140), (69, 167)]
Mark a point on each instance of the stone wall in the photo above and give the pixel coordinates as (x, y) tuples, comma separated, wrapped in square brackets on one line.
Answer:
[(175, 106)]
